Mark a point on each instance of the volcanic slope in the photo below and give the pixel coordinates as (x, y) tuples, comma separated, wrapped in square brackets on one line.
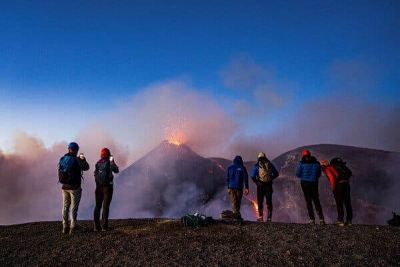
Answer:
[(169, 181), (160, 242), (375, 183)]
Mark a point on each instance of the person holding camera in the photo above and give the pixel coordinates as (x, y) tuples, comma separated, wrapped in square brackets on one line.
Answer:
[(70, 168), (104, 177)]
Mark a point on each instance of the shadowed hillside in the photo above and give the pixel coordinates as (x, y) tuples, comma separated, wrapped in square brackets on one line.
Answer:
[(375, 182)]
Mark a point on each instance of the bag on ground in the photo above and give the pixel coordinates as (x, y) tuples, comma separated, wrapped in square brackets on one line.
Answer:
[(196, 220), (227, 214)]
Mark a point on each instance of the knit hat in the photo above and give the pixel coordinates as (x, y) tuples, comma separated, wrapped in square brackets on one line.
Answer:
[(261, 155), (73, 146), (105, 152), (324, 162), (306, 152)]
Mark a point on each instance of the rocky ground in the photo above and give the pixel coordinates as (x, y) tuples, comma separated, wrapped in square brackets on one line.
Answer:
[(165, 242)]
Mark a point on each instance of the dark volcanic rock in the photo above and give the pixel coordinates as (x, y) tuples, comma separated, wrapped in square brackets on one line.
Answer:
[(159, 242)]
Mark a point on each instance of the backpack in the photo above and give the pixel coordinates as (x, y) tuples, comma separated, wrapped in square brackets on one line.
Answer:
[(196, 220), (344, 173), (102, 173), (395, 221), (265, 173), (65, 166), (227, 214)]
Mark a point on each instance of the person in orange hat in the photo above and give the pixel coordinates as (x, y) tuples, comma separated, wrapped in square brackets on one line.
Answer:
[(338, 175), (104, 177), (330, 173)]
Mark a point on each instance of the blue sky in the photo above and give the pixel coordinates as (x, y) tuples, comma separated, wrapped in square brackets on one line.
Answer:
[(77, 59)]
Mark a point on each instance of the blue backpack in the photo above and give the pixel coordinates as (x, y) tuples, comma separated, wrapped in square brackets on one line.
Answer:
[(65, 166), (102, 174)]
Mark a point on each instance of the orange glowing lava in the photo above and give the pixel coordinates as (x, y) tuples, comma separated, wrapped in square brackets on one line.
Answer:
[(176, 139), (255, 205)]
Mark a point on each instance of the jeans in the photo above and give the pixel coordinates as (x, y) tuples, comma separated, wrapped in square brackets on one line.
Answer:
[(264, 191), (104, 195), (342, 198), (71, 199), (310, 190)]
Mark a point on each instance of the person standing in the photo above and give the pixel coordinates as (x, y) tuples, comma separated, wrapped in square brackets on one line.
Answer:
[(70, 170), (237, 177), (104, 177), (339, 175), (309, 171), (263, 174)]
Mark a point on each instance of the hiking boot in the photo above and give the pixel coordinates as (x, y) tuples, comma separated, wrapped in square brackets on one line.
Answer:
[(260, 219), (72, 230), (322, 222), (65, 229), (269, 220), (340, 223), (348, 223), (312, 222)]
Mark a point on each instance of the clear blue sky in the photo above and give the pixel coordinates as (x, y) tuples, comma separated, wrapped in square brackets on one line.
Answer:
[(60, 55)]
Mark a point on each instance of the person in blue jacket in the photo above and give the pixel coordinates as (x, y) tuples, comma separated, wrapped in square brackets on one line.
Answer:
[(263, 174), (237, 177), (309, 171)]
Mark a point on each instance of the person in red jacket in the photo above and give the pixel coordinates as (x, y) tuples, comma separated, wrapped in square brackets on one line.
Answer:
[(330, 173), (341, 192)]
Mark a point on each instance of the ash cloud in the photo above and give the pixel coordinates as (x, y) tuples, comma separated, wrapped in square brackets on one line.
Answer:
[(30, 190), (261, 90), (172, 110)]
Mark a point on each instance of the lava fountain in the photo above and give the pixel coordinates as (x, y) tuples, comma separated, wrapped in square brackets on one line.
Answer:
[(254, 204), (176, 138)]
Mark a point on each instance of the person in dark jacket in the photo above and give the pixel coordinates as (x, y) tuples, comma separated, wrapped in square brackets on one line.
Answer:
[(339, 175), (263, 174), (72, 191), (104, 177), (309, 171), (237, 176)]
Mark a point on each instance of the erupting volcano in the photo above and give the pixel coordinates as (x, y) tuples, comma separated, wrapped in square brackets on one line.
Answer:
[(169, 181)]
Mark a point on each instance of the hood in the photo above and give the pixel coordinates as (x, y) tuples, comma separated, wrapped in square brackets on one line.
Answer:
[(238, 161)]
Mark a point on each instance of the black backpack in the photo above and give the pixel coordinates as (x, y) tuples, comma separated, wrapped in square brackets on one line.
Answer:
[(102, 174), (344, 173), (196, 220), (65, 169)]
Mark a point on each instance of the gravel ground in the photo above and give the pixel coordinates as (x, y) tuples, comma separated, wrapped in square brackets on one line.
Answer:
[(165, 242)]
